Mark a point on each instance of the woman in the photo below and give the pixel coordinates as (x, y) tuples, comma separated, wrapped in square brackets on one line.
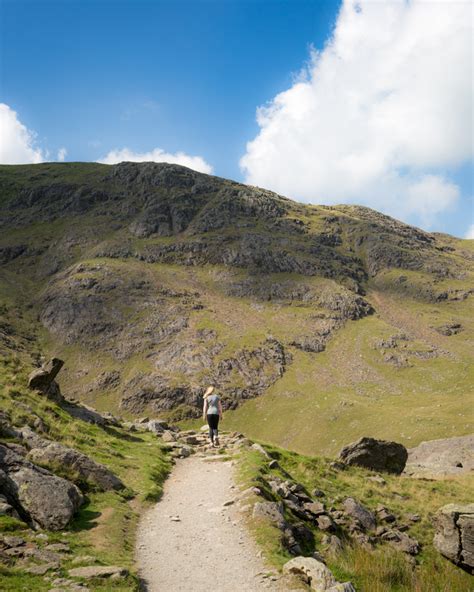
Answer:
[(212, 411)]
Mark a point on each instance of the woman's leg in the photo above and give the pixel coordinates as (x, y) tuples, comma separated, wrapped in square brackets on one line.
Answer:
[(216, 430), (211, 429), (213, 421)]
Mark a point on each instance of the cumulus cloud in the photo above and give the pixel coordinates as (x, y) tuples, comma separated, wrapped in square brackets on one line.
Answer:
[(17, 142), (158, 155), (62, 153), (470, 232), (378, 116)]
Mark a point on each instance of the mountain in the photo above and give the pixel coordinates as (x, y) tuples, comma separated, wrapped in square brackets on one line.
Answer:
[(318, 324)]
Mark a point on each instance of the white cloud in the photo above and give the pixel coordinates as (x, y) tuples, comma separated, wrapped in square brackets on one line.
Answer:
[(158, 155), (62, 153), (380, 112), (470, 232), (17, 142)]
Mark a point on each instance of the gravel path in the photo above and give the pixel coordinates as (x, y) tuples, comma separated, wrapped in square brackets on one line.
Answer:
[(191, 542)]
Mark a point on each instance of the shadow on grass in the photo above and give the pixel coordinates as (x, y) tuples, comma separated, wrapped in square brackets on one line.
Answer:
[(85, 518)]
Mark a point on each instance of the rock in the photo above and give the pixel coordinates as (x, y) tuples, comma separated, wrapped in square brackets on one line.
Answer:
[(260, 449), (384, 514), (157, 426), (97, 571), (270, 511), (335, 545), (324, 523), (454, 536), (317, 575), (273, 464), (401, 541), (437, 458), (377, 455), (315, 508), (39, 496), (53, 454), (42, 379), (168, 436), (363, 516)]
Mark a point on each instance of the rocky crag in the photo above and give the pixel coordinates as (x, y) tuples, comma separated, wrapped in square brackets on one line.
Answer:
[(154, 280)]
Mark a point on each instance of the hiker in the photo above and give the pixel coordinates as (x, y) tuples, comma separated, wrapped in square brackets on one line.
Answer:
[(212, 411)]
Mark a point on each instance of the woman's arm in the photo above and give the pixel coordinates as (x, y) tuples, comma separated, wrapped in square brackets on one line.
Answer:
[(219, 404), (204, 411)]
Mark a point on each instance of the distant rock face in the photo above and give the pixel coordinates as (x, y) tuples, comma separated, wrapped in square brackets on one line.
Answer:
[(377, 455), (454, 536), (40, 497), (437, 458)]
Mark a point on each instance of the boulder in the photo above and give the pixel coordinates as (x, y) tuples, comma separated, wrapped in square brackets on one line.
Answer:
[(364, 517), (98, 571), (40, 497), (454, 537), (401, 541), (317, 575), (42, 379), (271, 511), (377, 455), (56, 455), (437, 458)]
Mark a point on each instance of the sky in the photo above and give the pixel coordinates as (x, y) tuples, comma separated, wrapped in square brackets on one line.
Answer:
[(324, 101)]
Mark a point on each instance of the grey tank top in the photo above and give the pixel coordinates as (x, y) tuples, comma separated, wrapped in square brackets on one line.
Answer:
[(212, 405)]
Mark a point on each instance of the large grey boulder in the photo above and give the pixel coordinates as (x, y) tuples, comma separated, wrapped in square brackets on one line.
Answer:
[(56, 455), (377, 455), (437, 458), (454, 537), (40, 497), (317, 575)]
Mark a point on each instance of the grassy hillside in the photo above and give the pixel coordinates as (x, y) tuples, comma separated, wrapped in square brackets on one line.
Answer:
[(104, 527), (317, 324)]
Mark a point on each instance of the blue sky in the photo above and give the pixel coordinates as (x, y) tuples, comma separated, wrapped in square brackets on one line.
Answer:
[(99, 76)]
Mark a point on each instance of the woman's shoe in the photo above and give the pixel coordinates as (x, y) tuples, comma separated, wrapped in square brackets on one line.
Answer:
[(217, 441)]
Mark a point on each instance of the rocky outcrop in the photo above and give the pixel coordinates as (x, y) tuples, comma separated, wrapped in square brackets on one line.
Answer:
[(81, 468), (437, 458), (454, 537), (377, 455), (39, 497), (43, 379), (316, 574)]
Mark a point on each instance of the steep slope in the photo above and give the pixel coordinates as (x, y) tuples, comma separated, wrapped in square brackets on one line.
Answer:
[(318, 324)]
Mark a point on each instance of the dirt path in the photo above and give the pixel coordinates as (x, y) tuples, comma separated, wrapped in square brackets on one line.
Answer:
[(191, 542)]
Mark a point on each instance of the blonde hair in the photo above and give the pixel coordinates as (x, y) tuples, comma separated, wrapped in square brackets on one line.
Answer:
[(209, 391)]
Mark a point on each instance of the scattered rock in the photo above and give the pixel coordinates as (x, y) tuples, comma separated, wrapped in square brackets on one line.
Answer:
[(377, 455), (42, 379), (401, 541), (454, 537), (316, 575), (98, 571), (364, 517)]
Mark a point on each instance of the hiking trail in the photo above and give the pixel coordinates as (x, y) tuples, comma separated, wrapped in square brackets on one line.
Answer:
[(195, 539)]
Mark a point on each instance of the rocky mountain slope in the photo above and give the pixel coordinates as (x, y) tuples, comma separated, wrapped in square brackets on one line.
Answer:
[(318, 324)]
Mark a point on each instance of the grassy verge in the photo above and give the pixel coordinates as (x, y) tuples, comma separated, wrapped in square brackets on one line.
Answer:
[(384, 569), (105, 526)]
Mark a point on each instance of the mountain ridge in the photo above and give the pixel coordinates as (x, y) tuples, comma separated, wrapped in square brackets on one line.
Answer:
[(152, 280)]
